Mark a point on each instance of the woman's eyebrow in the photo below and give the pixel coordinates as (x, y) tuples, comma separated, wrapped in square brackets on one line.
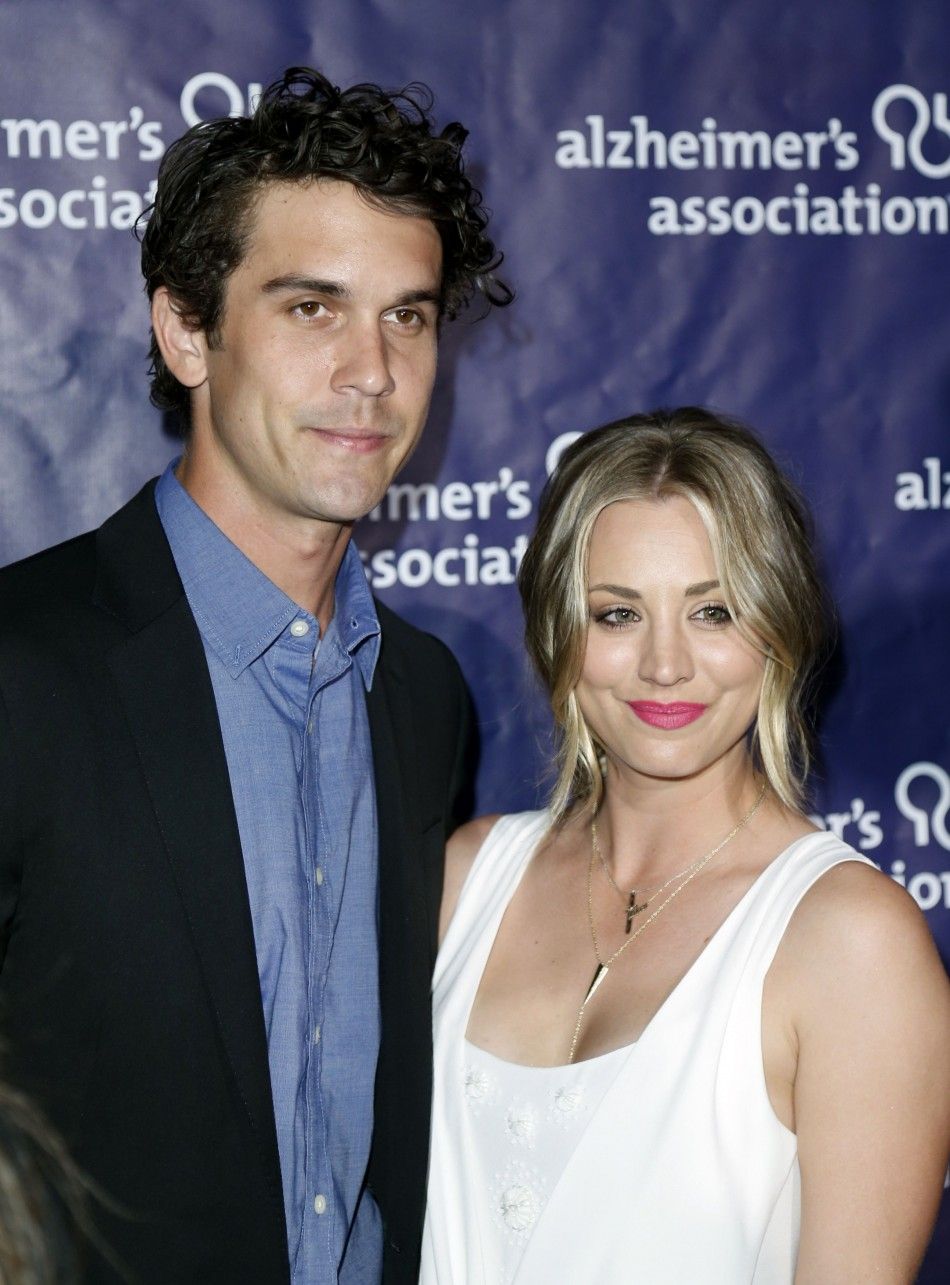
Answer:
[(704, 586), (624, 591), (620, 590)]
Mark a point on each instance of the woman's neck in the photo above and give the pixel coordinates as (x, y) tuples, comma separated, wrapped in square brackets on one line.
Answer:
[(649, 828)]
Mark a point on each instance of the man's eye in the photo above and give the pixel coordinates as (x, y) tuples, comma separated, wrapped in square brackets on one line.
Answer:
[(309, 308), (407, 318)]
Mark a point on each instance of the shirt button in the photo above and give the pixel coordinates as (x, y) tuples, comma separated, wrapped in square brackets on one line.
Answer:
[(318, 875), (320, 1204), (299, 628)]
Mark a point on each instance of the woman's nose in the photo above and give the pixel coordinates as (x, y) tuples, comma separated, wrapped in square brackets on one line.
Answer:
[(665, 656)]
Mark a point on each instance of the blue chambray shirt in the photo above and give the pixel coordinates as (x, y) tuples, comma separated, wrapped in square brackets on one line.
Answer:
[(293, 717)]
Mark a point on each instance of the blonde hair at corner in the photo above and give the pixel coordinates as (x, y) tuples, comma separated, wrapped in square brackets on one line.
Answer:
[(759, 532)]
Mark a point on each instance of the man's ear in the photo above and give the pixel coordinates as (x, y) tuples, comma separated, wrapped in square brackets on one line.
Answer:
[(182, 347)]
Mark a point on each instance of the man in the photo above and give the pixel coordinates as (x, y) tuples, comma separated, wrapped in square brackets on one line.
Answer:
[(226, 775)]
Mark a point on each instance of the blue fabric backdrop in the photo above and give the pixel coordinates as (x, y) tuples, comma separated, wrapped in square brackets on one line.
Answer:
[(735, 204)]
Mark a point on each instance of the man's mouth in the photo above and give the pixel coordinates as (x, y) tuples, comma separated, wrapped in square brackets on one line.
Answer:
[(359, 441)]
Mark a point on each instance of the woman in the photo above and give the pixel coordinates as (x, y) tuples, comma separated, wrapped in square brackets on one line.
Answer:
[(43, 1200), (681, 1035)]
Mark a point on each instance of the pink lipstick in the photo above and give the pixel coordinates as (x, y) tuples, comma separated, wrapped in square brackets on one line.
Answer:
[(668, 716)]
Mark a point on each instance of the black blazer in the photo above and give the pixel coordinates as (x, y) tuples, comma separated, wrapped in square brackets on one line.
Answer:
[(129, 996)]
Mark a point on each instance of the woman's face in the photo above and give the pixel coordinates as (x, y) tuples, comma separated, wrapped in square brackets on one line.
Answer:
[(669, 686)]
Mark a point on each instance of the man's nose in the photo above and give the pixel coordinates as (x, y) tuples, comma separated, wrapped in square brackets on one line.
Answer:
[(363, 363)]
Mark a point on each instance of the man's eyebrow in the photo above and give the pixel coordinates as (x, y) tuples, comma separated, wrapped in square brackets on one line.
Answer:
[(624, 591), (294, 283), (419, 296)]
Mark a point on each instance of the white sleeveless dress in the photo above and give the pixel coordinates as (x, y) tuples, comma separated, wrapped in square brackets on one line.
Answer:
[(661, 1163)]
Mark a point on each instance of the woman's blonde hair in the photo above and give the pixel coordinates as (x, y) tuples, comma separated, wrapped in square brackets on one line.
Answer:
[(760, 534)]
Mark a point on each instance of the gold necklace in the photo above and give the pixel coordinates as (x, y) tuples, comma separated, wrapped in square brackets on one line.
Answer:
[(630, 897), (604, 965)]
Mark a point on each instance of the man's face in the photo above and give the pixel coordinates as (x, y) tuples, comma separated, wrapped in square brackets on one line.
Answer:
[(317, 388)]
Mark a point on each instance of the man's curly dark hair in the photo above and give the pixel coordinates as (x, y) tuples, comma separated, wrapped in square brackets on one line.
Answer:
[(198, 229)]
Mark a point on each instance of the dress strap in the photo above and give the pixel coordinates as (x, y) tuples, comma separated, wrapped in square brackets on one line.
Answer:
[(495, 874)]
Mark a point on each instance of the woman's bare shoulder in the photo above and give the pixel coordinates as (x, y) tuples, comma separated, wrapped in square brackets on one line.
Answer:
[(468, 838), (860, 897), (868, 1008), (854, 926)]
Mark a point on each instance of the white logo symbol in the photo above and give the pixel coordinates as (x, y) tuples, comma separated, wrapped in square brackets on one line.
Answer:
[(228, 95), (557, 449), (912, 146), (925, 823)]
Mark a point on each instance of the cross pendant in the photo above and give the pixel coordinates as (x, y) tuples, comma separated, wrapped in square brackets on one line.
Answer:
[(632, 909)]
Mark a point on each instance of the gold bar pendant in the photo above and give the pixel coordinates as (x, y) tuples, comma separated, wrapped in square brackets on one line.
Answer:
[(599, 974)]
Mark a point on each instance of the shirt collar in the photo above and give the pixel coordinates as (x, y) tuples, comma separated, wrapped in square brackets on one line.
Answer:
[(239, 611)]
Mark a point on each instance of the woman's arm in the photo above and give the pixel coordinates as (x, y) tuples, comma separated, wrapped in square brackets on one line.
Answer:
[(459, 854), (870, 1014)]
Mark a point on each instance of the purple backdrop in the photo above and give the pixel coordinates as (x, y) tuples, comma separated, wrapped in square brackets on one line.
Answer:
[(723, 203)]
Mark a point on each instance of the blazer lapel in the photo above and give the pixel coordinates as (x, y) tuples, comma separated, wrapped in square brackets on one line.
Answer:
[(404, 920), (162, 678)]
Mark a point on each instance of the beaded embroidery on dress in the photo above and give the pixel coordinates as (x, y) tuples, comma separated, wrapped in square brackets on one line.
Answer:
[(526, 1125)]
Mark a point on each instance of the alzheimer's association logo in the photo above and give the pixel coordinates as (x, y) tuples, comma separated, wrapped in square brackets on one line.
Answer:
[(909, 145), (922, 794), (928, 489)]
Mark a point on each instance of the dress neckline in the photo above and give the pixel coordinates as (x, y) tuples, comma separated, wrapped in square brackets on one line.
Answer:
[(707, 950), (558, 1067)]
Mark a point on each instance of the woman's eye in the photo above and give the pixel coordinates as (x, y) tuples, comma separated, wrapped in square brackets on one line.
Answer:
[(714, 613), (617, 617)]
